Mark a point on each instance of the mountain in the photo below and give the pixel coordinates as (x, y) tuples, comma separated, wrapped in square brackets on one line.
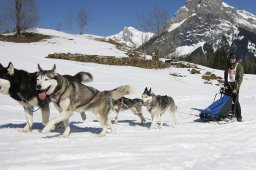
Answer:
[(205, 26), (131, 37)]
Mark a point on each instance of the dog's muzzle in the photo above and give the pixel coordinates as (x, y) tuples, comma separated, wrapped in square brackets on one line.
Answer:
[(38, 87), (144, 103), (41, 93)]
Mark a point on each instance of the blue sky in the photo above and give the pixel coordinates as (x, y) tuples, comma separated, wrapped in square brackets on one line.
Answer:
[(108, 17)]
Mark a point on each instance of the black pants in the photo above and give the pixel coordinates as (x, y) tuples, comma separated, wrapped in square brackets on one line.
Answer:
[(236, 108)]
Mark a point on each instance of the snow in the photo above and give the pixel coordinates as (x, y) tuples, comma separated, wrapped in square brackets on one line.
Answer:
[(176, 25), (252, 48), (56, 44), (185, 50), (227, 5), (246, 14), (132, 37), (244, 18), (184, 8), (190, 145)]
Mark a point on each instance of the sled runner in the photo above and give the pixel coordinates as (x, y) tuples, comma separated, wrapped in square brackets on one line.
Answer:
[(220, 109)]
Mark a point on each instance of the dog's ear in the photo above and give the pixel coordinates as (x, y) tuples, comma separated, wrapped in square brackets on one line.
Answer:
[(1, 66), (146, 89), (54, 69), (10, 69), (149, 90), (39, 68)]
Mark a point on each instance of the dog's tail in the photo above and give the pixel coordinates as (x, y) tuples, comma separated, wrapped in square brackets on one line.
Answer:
[(83, 77), (121, 91)]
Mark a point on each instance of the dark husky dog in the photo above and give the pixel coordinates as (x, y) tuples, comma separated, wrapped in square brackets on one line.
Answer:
[(69, 96), (135, 105), (20, 85), (157, 105)]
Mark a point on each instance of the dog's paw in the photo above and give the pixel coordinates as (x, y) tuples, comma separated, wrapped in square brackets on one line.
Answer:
[(25, 130), (152, 128), (113, 130), (45, 130), (101, 135), (64, 135)]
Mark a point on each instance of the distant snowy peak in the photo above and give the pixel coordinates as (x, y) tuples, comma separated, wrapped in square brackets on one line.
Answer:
[(210, 23), (132, 37)]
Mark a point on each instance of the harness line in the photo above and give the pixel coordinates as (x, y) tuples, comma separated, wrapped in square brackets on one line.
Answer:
[(41, 103)]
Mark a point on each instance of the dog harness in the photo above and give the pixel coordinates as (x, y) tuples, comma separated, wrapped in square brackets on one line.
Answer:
[(41, 103), (89, 100), (58, 101), (120, 102)]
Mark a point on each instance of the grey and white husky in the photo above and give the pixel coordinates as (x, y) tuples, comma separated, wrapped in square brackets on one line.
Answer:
[(69, 96), (157, 105), (20, 85), (122, 104)]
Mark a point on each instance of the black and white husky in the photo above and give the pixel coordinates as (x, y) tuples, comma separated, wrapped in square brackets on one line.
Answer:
[(69, 96), (21, 86), (122, 104), (157, 105)]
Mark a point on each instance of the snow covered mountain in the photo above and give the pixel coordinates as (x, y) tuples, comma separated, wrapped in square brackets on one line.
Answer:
[(203, 26), (132, 37)]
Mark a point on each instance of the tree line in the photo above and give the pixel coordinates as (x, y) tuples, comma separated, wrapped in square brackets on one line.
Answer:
[(219, 60), (19, 15)]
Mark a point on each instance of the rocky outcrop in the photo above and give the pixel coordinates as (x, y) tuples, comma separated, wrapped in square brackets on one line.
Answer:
[(205, 21)]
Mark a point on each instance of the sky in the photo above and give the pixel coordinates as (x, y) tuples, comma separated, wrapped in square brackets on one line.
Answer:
[(190, 145), (109, 17)]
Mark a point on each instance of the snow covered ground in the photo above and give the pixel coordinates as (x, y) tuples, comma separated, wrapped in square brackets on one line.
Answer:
[(191, 145)]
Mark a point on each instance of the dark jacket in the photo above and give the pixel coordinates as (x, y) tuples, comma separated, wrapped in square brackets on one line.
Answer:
[(239, 77)]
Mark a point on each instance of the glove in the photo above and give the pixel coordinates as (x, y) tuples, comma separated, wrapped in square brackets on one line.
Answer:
[(234, 91)]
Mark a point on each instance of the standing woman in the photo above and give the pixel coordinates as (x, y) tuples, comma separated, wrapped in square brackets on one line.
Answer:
[(233, 77)]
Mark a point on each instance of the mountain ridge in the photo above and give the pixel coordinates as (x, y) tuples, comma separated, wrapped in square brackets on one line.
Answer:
[(212, 22)]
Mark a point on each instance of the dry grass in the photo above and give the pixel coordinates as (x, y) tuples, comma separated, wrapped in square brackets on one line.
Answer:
[(208, 76), (24, 38), (111, 60), (194, 71)]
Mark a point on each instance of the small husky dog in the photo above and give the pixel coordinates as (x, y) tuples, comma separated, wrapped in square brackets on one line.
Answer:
[(135, 105), (20, 85), (157, 105), (69, 96)]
